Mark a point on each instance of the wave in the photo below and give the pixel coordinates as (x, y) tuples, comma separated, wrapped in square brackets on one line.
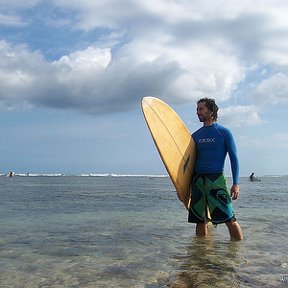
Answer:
[(84, 175), (121, 175)]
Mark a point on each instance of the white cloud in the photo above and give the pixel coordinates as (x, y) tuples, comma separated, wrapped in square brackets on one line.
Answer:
[(11, 20), (91, 58), (19, 4), (271, 141), (28, 77), (19, 70), (239, 116), (93, 73), (273, 90), (177, 50), (208, 69), (9, 10)]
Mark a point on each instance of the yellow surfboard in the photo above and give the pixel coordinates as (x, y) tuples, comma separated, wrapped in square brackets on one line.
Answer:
[(174, 143)]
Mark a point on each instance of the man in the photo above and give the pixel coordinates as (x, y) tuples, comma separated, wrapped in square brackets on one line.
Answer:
[(209, 188), (252, 177)]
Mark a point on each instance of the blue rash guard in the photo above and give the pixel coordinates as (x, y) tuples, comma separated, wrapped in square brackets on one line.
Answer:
[(212, 144)]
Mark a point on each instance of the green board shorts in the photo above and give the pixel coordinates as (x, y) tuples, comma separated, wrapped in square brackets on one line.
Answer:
[(210, 190)]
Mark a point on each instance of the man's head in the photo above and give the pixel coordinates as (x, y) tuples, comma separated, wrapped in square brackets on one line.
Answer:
[(207, 107)]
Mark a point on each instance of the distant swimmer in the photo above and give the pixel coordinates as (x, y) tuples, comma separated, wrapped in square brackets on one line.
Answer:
[(10, 174), (253, 178)]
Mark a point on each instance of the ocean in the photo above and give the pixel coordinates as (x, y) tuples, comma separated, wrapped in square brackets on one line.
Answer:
[(85, 232)]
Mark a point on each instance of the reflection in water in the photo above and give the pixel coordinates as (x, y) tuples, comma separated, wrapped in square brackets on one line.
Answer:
[(209, 263)]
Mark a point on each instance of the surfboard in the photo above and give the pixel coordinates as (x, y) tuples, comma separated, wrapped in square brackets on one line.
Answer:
[(174, 142)]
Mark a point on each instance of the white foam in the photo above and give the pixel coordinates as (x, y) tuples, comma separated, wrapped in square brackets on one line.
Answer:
[(86, 175)]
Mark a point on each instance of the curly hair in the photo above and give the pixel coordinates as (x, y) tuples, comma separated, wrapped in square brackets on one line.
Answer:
[(211, 105)]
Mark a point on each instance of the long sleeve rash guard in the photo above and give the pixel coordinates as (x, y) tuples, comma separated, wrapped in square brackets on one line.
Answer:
[(212, 144)]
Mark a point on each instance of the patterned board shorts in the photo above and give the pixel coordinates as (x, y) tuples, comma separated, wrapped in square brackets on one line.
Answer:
[(210, 190)]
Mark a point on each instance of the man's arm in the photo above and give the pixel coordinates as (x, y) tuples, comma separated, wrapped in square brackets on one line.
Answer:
[(232, 152)]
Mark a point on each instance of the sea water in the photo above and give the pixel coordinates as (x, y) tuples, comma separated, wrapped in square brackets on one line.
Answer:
[(133, 232)]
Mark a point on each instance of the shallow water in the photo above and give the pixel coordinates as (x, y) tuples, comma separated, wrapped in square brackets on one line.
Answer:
[(133, 232)]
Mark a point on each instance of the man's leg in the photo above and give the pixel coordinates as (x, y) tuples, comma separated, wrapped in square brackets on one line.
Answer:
[(197, 205), (235, 230), (201, 229)]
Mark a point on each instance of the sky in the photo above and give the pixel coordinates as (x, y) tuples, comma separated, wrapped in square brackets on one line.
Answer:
[(73, 73)]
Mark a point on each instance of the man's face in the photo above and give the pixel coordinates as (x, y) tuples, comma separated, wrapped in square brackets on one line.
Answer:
[(204, 114)]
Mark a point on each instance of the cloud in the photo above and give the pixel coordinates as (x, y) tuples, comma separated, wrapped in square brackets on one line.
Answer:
[(239, 116), (92, 80), (176, 50), (89, 59), (19, 71), (11, 20), (67, 83), (273, 90), (10, 12), (84, 80), (267, 142), (19, 4)]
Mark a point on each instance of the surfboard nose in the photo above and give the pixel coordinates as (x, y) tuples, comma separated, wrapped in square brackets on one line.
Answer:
[(147, 100)]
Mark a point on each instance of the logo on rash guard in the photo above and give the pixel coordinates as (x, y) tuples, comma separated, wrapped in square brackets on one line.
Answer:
[(206, 140)]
